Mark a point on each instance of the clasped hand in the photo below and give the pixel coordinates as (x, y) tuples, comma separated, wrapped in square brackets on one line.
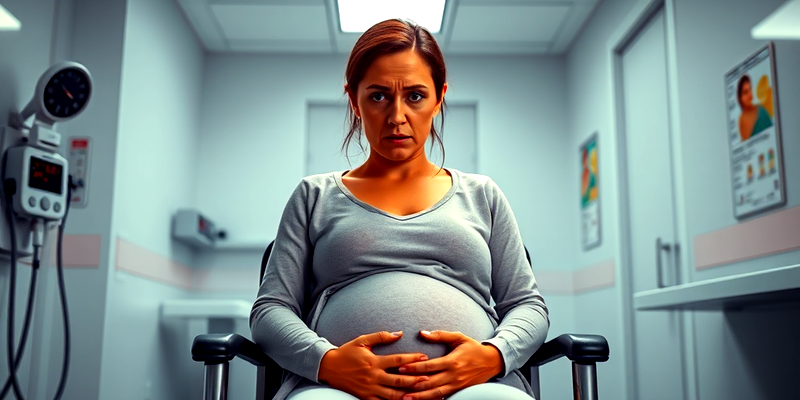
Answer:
[(353, 367)]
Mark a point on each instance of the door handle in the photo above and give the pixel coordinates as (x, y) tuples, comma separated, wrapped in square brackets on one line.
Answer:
[(660, 246)]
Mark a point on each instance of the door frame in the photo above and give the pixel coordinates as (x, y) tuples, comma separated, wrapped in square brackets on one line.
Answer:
[(639, 16)]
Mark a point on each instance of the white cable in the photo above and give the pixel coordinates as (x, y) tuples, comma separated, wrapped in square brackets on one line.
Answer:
[(38, 235)]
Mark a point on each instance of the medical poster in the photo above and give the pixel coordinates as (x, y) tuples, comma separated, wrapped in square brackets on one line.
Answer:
[(754, 135), (590, 202)]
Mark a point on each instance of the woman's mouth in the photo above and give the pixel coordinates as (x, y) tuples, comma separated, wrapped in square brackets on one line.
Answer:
[(397, 139)]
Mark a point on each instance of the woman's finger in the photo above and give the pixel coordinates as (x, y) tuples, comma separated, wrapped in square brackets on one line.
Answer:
[(426, 367), (397, 360), (391, 394), (453, 338), (372, 339), (400, 381)]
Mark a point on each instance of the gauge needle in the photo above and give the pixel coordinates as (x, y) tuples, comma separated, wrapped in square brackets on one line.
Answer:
[(66, 91)]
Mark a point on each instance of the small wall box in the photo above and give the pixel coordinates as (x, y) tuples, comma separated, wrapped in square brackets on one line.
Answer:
[(192, 228)]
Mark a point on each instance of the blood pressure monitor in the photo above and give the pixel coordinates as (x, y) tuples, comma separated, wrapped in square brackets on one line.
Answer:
[(41, 178), (41, 175)]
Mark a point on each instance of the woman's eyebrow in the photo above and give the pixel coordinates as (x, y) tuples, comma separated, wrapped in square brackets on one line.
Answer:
[(386, 88)]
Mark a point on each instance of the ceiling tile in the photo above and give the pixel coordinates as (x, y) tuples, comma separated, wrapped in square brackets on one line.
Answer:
[(577, 18), (272, 22), (511, 23), (497, 48)]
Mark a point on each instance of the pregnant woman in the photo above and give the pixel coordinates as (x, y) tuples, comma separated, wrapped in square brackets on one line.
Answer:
[(398, 279)]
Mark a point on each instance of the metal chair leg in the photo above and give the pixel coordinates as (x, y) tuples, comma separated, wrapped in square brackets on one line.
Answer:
[(533, 379), (261, 383), (584, 381), (216, 382)]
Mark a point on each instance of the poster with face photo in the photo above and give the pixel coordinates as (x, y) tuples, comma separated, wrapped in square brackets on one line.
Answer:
[(590, 200), (754, 135)]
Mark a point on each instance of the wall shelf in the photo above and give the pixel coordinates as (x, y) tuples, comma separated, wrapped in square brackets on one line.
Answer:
[(771, 287)]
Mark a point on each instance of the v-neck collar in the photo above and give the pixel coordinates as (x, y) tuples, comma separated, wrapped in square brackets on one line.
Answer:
[(454, 175)]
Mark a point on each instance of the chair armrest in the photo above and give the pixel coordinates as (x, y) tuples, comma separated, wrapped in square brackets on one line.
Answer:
[(578, 348), (220, 347)]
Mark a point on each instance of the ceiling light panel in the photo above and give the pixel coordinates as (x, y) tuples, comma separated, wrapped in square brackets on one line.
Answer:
[(359, 15), (7, 21)]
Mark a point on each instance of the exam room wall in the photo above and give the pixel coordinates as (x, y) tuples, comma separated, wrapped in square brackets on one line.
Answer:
[(54, 31), (162, 72), (732, 358), (589, 103), (711, 39), (19, 72)]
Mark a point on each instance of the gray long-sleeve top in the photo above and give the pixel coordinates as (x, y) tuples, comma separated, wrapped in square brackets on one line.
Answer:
[(328, 238)]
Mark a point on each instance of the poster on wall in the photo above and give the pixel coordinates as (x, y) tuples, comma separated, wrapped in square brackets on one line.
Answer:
[(590, 202), (754, 135)]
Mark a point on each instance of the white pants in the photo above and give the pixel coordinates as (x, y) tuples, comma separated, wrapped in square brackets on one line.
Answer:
[(494, 391)]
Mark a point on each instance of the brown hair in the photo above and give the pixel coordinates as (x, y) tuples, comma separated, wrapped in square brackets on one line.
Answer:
[(387, 37), (744, 79)]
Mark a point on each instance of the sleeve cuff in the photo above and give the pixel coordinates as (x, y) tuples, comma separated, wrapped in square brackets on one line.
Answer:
[(506, 352), (314, 359)]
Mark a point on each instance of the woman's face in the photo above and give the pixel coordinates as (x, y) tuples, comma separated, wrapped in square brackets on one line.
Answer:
[(396, 101), (746, 98)]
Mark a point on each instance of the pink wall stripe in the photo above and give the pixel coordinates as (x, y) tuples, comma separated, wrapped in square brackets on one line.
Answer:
[(79, 251), (593, 277), (586, 279), (145, 263), (226, 279), (774, 233), (555, 282)]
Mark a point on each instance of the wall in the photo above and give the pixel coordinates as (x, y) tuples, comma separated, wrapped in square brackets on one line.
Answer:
[(732, 357), (25, 55), (590, 109), (159, 106), (89, 32), (710, 38)]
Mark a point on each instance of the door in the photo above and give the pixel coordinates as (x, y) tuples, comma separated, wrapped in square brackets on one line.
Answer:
[(656, 343), (327, 127)]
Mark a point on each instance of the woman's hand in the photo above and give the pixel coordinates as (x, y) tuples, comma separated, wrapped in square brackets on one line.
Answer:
[(469, 363), (355, 369)]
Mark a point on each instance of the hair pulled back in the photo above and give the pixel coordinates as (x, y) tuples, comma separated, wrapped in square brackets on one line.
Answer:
[(744, 79), (388, 37)]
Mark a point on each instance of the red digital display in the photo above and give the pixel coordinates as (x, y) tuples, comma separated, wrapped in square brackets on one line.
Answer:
[(45, 175)]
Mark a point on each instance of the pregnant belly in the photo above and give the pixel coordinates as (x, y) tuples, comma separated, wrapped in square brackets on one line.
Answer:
[(401, 301)]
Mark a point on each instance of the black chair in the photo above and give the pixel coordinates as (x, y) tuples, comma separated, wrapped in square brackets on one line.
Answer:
[(217, 350)]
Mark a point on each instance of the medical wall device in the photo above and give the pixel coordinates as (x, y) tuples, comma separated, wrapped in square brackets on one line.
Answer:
[(194, 229), (37, 188)]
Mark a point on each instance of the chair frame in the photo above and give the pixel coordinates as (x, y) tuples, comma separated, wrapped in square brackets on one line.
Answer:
[(217, 350)]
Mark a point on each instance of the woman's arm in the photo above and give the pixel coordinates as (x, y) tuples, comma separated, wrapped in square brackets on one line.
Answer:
[(275, 318), (523, 313)]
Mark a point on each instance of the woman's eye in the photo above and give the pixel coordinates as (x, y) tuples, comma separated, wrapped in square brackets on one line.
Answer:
[(377, 97), (415, 97)]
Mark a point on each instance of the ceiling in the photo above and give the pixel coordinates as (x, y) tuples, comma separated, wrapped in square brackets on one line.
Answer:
[(312, 27)]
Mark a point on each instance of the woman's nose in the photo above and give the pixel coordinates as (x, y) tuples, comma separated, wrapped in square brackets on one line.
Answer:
[(397, 115)]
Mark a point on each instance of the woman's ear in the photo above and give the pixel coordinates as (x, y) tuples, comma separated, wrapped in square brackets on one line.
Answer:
[(441, 100), (353, 100)]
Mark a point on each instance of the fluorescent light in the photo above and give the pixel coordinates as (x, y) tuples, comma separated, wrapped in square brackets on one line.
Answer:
[(783, 23), (7, 21), (359, 15)]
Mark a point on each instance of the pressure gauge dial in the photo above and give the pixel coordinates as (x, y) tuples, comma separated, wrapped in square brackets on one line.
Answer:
[(63, 92), (66, 93)]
